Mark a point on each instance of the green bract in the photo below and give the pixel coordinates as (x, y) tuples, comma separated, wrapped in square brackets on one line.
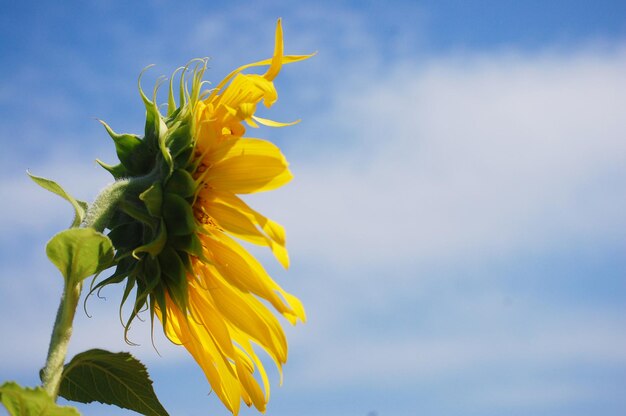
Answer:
[(153, 228)]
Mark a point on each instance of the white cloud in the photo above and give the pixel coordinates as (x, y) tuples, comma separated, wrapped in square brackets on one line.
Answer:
[(461, 160), (464, 156), (454, 158)]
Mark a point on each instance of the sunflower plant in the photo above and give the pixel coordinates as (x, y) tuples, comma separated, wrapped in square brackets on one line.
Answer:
[(169, 229)]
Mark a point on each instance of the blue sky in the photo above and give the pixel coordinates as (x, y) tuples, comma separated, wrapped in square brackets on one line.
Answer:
[(456, 219)]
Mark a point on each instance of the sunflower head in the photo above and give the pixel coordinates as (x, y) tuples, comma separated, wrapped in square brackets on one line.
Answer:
[(173, 229), (154, 229)]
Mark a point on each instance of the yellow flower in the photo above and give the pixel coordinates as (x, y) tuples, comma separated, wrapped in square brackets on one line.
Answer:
[(174, 231)]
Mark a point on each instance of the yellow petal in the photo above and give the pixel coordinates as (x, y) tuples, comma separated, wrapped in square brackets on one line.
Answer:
[(248, 166), (272, 123), (277, 59), (248, 315), (239, 220), (287, 59), (236, 223), (245, 272), (218, 371), (251, 386), (203, 311), (274, 230), (245, 344)]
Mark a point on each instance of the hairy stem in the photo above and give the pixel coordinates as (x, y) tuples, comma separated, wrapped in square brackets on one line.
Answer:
[(98, 216), (60, 339)]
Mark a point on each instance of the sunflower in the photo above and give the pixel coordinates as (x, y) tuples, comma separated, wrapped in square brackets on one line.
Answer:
[(176, 229)]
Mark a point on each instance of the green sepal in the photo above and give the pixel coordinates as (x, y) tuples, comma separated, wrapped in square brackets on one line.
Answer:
[(184, 257), (122, 270), (171, 264), (178, 215), (181, 183), (118, 171), (159, 294), (148, 273), (171, 103), (131, 281), (156, 129), (130, 285), (79, 253), (155, 246), (80, 207), (139, 213), (148, 277), (153, 198), (126, 236), (153, 116), (152, 272), (111, 378), (165, 151), (175, 275), (189, 243), (20, 401), (179, 139), (131, 151), (182, 160)]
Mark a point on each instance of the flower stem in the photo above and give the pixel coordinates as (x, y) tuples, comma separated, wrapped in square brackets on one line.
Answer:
[(60, 339), (98, 216)]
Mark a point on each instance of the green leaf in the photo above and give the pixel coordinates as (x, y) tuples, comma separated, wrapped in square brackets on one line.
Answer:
[(111, 378), (79, 253), (20, 401), (80, 207)]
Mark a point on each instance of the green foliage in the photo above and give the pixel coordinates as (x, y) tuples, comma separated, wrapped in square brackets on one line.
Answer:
[(79, 253), (110, 378), (80, 207), (20, 401)]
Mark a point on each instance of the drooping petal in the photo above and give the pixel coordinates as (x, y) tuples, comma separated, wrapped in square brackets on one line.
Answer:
[(218, 371), (247, 315), (250, 386), (272, 123), (277, 59), (241, 221), (246, 273)]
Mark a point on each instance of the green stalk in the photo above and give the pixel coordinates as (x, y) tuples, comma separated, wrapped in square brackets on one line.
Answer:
[(60, 339), (97, 217)]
